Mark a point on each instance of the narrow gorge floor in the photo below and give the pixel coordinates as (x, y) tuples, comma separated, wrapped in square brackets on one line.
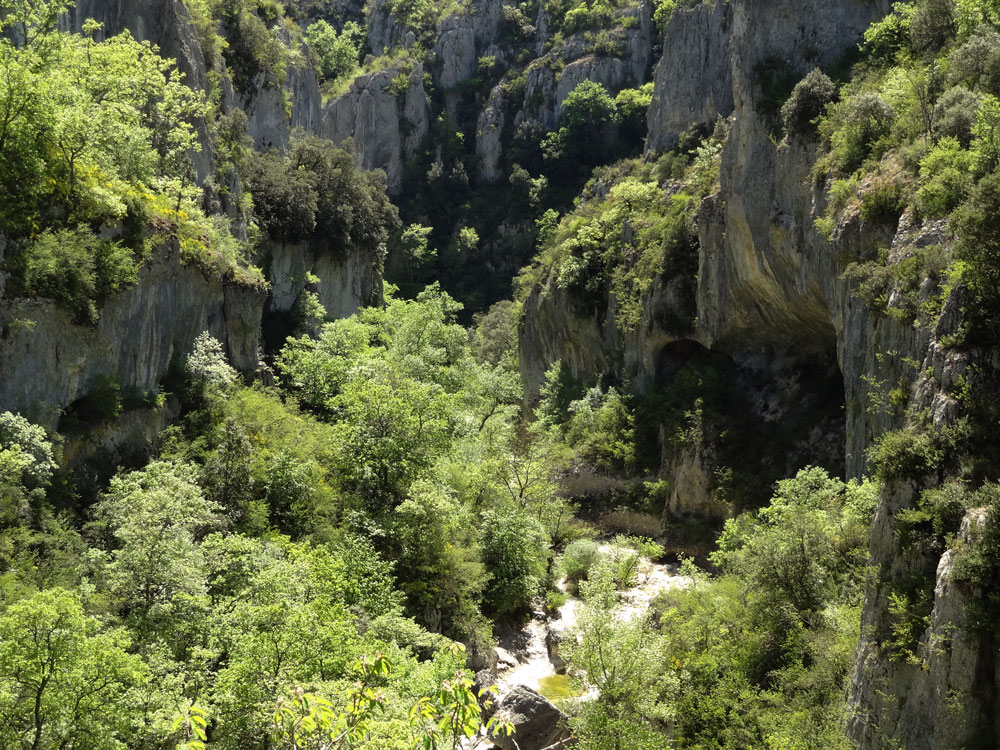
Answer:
[(524, 655)]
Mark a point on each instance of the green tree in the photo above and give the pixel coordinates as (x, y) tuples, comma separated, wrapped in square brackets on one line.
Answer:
[(799, 551), (439, 567), (282, 620), (621, 660), (316, 193), (315, 370), (808, 102), (64, 682), (208, 367), (337, 53), (986, 134), (515, 552), (40, 456), (632, 105), (391, 427), (976, 224), (153, 518), (587, 122), (414, 250)]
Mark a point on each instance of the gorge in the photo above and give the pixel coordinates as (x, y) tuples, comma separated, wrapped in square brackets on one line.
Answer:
[(392, 325)]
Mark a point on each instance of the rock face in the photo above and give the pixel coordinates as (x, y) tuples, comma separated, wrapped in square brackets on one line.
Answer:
[(386, 115), (537, 723), (767, 281), (767, 276), (164, 23), (384, 33), (696, 41), (692, 487), (912, 701), (489, 129), (348, 279), (268, 122), (552, 329), (770, 286), (551, 77), (47, 362)]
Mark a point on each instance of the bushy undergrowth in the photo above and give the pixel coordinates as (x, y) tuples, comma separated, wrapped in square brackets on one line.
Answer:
[(924, 96), (636, 235), (773, 633), (95, 164)]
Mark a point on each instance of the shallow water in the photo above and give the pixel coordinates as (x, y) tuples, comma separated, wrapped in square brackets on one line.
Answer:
[(557, 687), (530, 655)]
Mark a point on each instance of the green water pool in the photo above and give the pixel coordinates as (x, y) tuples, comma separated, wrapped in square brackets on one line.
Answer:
[(557, 687)]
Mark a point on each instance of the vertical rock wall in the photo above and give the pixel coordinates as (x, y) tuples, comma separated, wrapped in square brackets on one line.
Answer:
[(47, 361)]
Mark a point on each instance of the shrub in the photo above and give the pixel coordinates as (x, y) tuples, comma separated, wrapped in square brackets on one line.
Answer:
[(932, 25), (978, 564), (945, 174), (946, 505), (868, 118), (515, 549), (252, 47), (955, 114), (976, 62), (807, 102), (60, 265), (904, 454), (554, 600), (643, 545), (561, 389), (587, 118), (207, 365), (883, 202), (352, 206), (871, 117), (600, 430), (664, 11), (977, 225), (337, 53), (884, 39), (75, 268), (632, 106), (285, 199), (317, 192), (670, 166), (579, 557), (624, 564), (115, 269), (986, 135)]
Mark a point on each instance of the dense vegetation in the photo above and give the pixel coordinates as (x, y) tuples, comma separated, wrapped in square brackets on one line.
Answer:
[(279, 537), (322, 557), (97, 134), (755, 656)]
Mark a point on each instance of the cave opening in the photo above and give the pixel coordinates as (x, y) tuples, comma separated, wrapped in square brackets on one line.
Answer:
[(746, 418)]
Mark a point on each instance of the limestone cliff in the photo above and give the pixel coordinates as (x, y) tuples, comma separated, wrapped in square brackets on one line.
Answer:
[(47, 361), (385, 114), (348, 280), (770, 287), (696, 41)]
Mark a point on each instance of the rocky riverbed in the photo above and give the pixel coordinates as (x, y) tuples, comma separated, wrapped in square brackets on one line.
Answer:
[(530, 657)]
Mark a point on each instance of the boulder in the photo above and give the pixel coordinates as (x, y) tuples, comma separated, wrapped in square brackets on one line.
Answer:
[(537, 723)]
